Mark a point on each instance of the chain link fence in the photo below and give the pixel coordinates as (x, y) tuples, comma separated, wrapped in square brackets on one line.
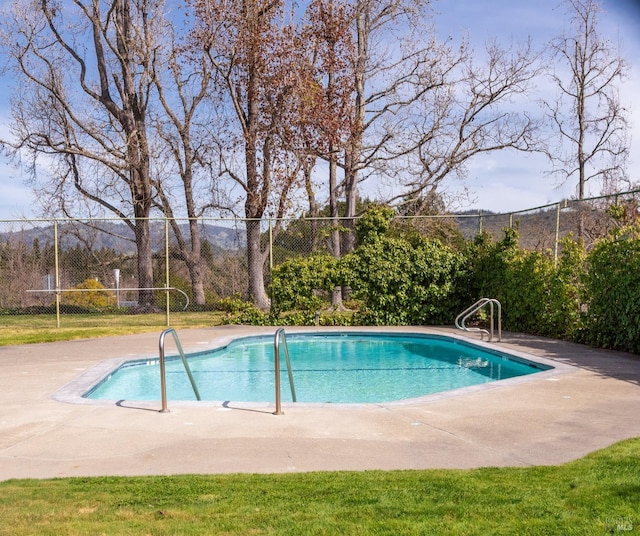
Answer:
[(93, 264)]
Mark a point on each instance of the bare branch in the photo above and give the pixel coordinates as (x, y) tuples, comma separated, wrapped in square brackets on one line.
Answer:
[(588, 118)]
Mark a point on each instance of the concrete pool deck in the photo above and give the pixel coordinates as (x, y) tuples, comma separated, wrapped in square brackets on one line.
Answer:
[(589, 402)]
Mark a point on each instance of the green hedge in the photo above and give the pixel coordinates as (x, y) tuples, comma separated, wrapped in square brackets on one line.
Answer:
[(402, 282), (403, 278), (303, 283), (612, 292), (537, 296)]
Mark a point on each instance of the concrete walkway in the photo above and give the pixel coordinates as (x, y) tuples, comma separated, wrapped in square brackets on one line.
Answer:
[(591, 400)]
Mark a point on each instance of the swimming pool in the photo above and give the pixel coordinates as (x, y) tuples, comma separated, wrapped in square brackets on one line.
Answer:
[(350, 367)]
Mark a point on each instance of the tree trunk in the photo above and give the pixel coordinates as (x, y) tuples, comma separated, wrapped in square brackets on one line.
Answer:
[(336, 294), (314, 207), (146, 301), (255, 260), (353, 154), (351, 200), (194, 264), (197, 284)]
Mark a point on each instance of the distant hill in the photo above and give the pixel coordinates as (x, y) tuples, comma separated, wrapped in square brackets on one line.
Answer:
[(537, 229), (120, 238)]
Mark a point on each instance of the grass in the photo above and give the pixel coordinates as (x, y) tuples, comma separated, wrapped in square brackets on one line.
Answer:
[(27, 329), (599, 494)]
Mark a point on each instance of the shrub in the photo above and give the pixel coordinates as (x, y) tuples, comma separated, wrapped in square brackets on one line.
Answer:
[(566, 291), (612, 289), (303, 283), (233, 304), (536, 296), (404, 282), (93, 297), (239, 311), (374, 223)]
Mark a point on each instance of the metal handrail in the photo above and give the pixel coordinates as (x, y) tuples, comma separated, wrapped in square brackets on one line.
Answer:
[(280, 334), (163, 380), (469, 311), (116, 289)]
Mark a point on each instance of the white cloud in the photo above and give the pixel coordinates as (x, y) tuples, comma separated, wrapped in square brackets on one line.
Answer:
[(513, 181)]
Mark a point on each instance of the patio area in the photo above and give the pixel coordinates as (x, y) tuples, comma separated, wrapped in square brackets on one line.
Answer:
[(591, 400)]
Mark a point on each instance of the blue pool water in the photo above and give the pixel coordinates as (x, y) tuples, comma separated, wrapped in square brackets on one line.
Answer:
[(337, 368)]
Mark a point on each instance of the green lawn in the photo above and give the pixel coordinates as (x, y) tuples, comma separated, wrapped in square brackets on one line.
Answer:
[(599, 494), (26, 329)]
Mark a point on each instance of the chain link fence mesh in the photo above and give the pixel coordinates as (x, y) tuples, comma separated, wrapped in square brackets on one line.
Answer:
[(94, 265)]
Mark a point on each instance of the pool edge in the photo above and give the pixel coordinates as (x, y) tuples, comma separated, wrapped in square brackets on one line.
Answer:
[(73, 392)]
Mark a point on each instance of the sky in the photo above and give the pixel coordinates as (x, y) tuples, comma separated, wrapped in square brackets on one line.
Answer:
[(511, 181), (500, 182)]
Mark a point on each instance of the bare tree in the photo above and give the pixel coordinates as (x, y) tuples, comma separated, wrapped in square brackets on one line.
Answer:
[(587, 113), (476, 107), (328, 123), (256, 55), (421, 108), (21, 269), (182, 125), (85, 79), (392, 68), (110, 105)]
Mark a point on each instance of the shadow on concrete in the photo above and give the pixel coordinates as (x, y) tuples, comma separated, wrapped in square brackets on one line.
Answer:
[(612, 364), (130, 404), (227, 404), (123, 404)]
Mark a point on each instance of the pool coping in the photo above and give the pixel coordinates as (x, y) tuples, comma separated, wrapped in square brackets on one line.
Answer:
[(72, 392)]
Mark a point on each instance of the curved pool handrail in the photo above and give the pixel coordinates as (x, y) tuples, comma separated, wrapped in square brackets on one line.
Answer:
[(280, 334), (473, 309), (163, 380)]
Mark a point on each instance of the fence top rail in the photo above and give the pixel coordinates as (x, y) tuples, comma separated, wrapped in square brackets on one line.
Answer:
[(563, 203), (569, 202)]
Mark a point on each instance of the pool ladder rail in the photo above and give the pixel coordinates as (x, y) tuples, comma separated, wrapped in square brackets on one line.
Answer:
[(279, 340), (473, 309), (163, 379)]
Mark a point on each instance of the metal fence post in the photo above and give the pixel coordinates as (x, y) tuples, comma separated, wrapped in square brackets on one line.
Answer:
[(270, 245), (166, 266), (555, 253), (57, 270)]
